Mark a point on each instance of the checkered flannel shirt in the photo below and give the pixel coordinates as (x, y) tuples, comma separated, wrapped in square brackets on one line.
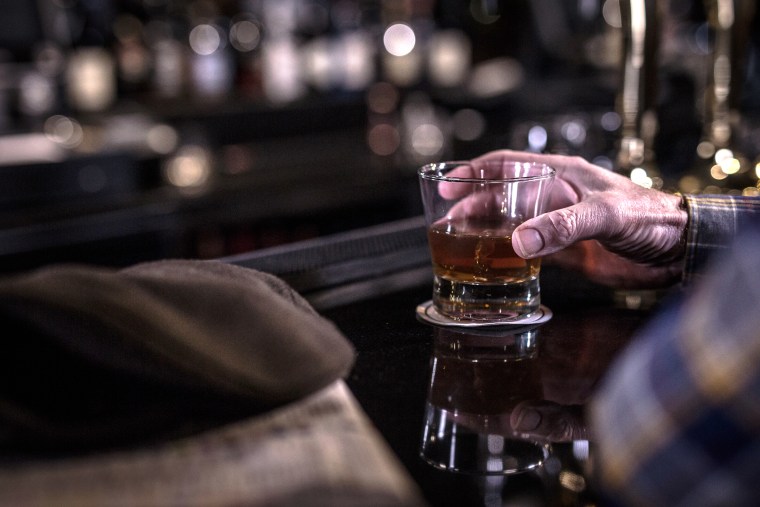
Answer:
[(714, 221), (677, 420)]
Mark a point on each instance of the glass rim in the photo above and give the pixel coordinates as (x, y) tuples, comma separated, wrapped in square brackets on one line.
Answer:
[(433, 170)]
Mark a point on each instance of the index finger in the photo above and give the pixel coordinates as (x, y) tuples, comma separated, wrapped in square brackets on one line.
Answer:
[(495, 167)]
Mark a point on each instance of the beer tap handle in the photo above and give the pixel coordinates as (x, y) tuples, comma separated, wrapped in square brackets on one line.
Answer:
[(641, 21), (731, 22)]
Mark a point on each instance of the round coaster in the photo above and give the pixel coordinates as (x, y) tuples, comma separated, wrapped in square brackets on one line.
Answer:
[(427, 312)]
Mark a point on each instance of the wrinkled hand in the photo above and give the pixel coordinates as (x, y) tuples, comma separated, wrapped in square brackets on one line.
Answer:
[(635, 232), (547, 421), (538, 420)]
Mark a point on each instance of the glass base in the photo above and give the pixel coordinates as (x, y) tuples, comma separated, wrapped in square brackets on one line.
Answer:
[(486, 302), (454, 447)]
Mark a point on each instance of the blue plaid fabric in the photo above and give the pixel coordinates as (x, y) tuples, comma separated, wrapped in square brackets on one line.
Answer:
[(677, 420)]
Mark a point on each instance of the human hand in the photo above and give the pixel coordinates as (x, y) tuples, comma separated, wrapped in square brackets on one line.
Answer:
[(635, 232), (547, 421), (494, 194), (537, 420)]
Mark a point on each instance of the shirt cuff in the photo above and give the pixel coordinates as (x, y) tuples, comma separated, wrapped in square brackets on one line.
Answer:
[(713, 222)]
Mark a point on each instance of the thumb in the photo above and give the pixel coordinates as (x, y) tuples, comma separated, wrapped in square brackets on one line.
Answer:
[(558, 229)]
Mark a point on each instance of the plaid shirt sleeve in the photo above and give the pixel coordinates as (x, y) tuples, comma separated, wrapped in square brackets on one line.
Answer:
[(676, 421), (713, 223)]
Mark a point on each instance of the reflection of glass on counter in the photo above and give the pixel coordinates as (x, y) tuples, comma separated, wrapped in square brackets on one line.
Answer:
[(475, 382)]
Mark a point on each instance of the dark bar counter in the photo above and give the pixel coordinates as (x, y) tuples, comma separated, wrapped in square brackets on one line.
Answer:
[(369, 283)]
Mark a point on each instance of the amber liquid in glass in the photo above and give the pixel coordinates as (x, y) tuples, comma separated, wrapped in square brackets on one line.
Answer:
[(478, 275)]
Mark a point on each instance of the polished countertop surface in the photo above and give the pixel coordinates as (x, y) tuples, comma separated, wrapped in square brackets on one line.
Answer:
[(392, 381), (479, 374)]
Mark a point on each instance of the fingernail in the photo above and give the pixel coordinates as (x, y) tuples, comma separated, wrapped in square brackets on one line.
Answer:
[(527, 419), (527, 242)]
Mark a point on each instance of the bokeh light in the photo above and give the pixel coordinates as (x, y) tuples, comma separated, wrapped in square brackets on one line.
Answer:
[(190, 168), (610, 121), (725, 160), (64, 131), (383, 139), (399, 39), (449, 58), (641, 178), (717, 173), (245, 35), (427, 140), (37, 93), (705, 149), (205, 39), (574, 132), (537, 138)]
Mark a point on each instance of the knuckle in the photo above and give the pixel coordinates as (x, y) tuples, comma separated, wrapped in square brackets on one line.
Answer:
[(564, 224)]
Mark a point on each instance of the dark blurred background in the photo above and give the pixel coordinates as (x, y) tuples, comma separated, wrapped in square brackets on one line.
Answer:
[(133, 130)]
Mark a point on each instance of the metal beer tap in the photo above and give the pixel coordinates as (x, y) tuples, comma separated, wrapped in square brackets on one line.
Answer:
[(638, 93), (730, 22)]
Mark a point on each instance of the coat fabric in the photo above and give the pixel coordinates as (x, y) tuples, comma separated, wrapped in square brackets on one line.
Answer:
[(94, 356)]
